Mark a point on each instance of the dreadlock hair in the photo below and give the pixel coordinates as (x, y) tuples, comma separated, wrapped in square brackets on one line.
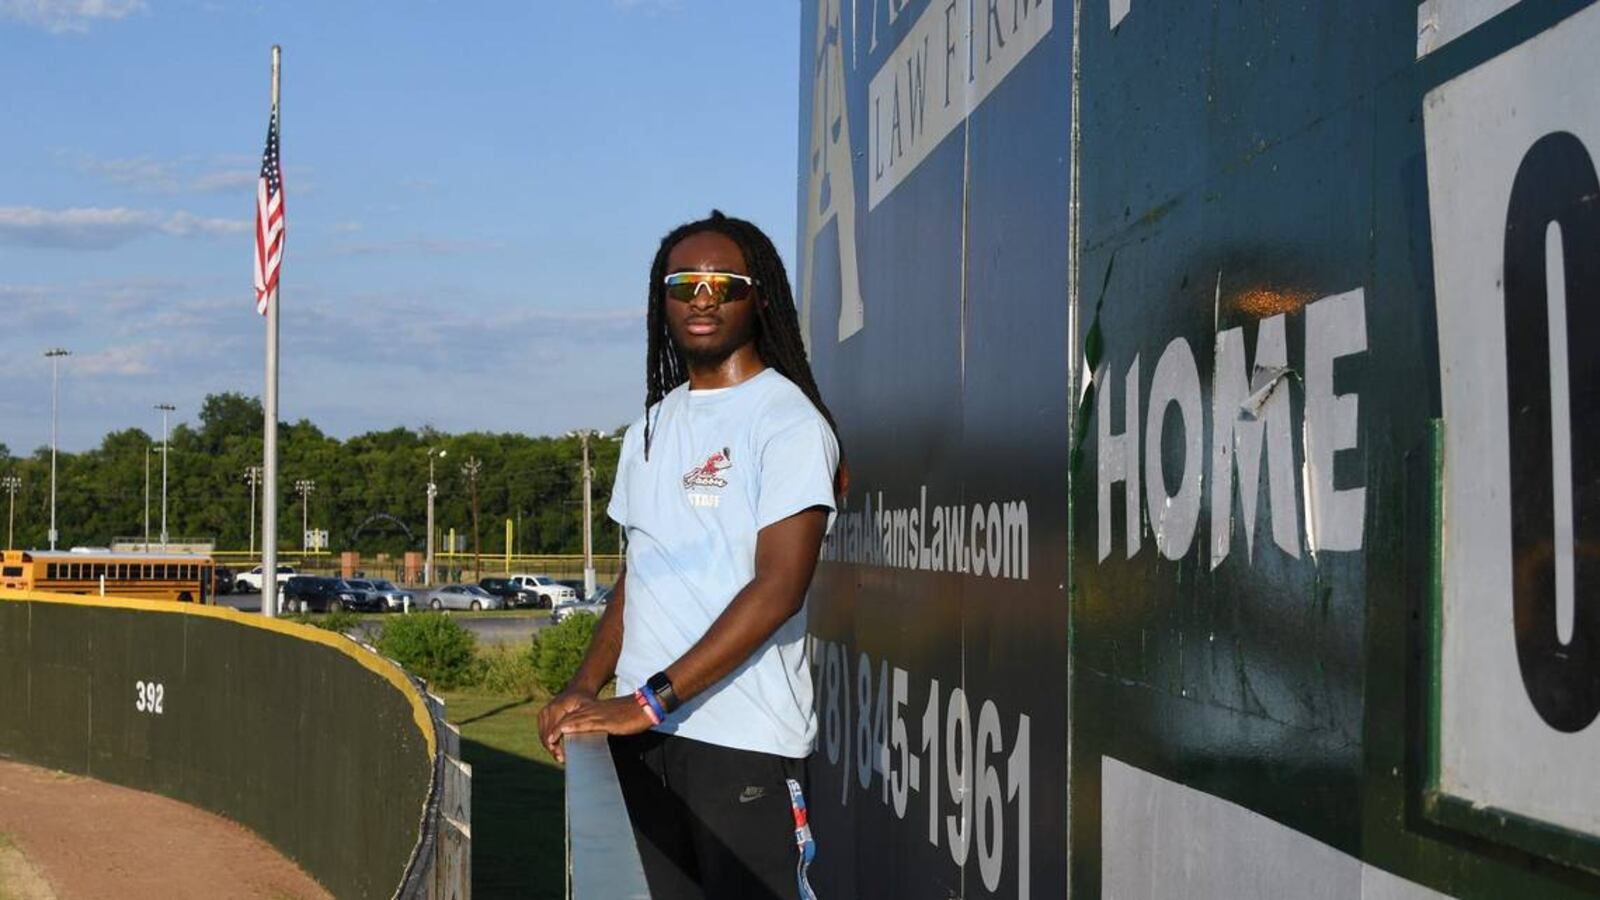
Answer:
[(778, 340)]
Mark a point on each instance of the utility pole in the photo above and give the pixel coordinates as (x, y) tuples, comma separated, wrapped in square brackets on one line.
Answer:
[(471, 468), (433, 489), (583, 435), (588, 518), (165, 408), (11, 483), (305, 486), (147, 498), (252, 474), (54, 354)]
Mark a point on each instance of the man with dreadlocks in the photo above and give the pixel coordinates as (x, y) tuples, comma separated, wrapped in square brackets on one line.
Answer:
[(726, 487)]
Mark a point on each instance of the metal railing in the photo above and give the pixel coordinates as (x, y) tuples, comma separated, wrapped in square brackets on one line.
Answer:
[(602, 857)]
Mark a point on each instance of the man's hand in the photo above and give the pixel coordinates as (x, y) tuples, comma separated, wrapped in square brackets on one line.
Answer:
[(619, 715), (552, 714)]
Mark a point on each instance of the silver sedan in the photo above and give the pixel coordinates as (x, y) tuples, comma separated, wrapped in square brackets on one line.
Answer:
[(463, 596)]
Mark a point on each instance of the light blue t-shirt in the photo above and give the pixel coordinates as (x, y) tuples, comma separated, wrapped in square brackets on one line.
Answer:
[(723, 465)]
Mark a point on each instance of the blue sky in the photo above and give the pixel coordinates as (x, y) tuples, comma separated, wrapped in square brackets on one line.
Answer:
[(474, 193)]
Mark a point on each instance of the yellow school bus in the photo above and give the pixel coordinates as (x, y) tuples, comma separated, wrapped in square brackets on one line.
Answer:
[(182, 577)]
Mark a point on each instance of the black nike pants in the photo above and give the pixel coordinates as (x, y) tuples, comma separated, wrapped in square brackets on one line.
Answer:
[(712, 823)]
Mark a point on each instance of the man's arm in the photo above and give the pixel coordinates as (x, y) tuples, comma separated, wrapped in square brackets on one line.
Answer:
[(786, 558), (599, 664)]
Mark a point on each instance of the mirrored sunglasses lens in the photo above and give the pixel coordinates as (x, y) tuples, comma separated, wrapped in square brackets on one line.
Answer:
[(717, 288), (681, 290)]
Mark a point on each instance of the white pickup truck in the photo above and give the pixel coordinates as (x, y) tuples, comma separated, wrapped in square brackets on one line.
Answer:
[(551, 593), (251, 581)]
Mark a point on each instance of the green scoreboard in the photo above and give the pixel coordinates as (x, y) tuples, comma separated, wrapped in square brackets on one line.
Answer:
[(1220, 384)]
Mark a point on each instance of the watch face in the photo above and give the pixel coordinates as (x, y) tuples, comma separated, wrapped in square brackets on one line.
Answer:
[(661, 686)]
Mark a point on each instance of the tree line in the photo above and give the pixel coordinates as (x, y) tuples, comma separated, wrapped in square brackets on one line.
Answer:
[(370, 491)]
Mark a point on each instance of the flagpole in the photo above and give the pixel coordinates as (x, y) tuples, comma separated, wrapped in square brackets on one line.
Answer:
[(269, 492)]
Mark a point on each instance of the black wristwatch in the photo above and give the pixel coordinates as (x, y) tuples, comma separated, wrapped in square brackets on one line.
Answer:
[(660, 685)]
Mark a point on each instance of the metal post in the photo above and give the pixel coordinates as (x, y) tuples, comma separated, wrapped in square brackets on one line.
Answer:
[(269, 491), (588, 520), (165, 408), (54, 354), (11, 483), (433, 490), (147, 498), (305, 486), (471, 468), (252, 474)]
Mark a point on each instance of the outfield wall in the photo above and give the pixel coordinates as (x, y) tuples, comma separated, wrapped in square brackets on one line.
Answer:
[(1219, 388), (321, 747)]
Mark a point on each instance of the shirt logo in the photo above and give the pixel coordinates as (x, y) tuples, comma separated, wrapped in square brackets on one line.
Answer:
[(708, 474), (703, 481), (752, 792)]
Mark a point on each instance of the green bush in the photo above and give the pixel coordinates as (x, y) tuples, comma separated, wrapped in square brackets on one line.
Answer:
[(507, 670), (558, 650), (339, 620), (431, 646)]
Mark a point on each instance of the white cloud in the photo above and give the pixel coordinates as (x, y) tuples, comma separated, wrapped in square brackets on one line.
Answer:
[(59, 16), (96, 228), (125, 361), (89, 228), (217, 175), (183, 224), (225, 181), (350, 362)]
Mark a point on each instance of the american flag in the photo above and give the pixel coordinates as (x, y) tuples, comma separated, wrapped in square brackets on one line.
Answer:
[(269, 220)]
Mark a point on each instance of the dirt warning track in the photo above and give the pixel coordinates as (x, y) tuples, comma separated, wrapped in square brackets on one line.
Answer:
[(63, 837)]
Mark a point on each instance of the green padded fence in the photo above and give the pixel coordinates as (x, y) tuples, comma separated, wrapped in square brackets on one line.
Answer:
[(319, 746)]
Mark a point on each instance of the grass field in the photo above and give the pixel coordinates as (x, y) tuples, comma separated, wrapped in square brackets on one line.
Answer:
[(518, 801)]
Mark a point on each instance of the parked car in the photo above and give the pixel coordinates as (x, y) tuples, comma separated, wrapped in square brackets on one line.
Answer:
[(316, 593), (576, 584), (393, 599), (513, 595), (463, 596), (592, 607), (251, 581), (221, 581), (554, 594)]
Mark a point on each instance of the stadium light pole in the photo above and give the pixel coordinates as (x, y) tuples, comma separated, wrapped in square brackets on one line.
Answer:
[(433, 490), (252, 474), (11, 483), (147, 498), (54, 354), (305, 486), (165, 408)]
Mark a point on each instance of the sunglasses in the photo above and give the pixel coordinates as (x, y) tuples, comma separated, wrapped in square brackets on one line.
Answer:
[(721, 287)]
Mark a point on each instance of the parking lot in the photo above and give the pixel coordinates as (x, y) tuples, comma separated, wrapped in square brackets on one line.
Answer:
[(511, 626)]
